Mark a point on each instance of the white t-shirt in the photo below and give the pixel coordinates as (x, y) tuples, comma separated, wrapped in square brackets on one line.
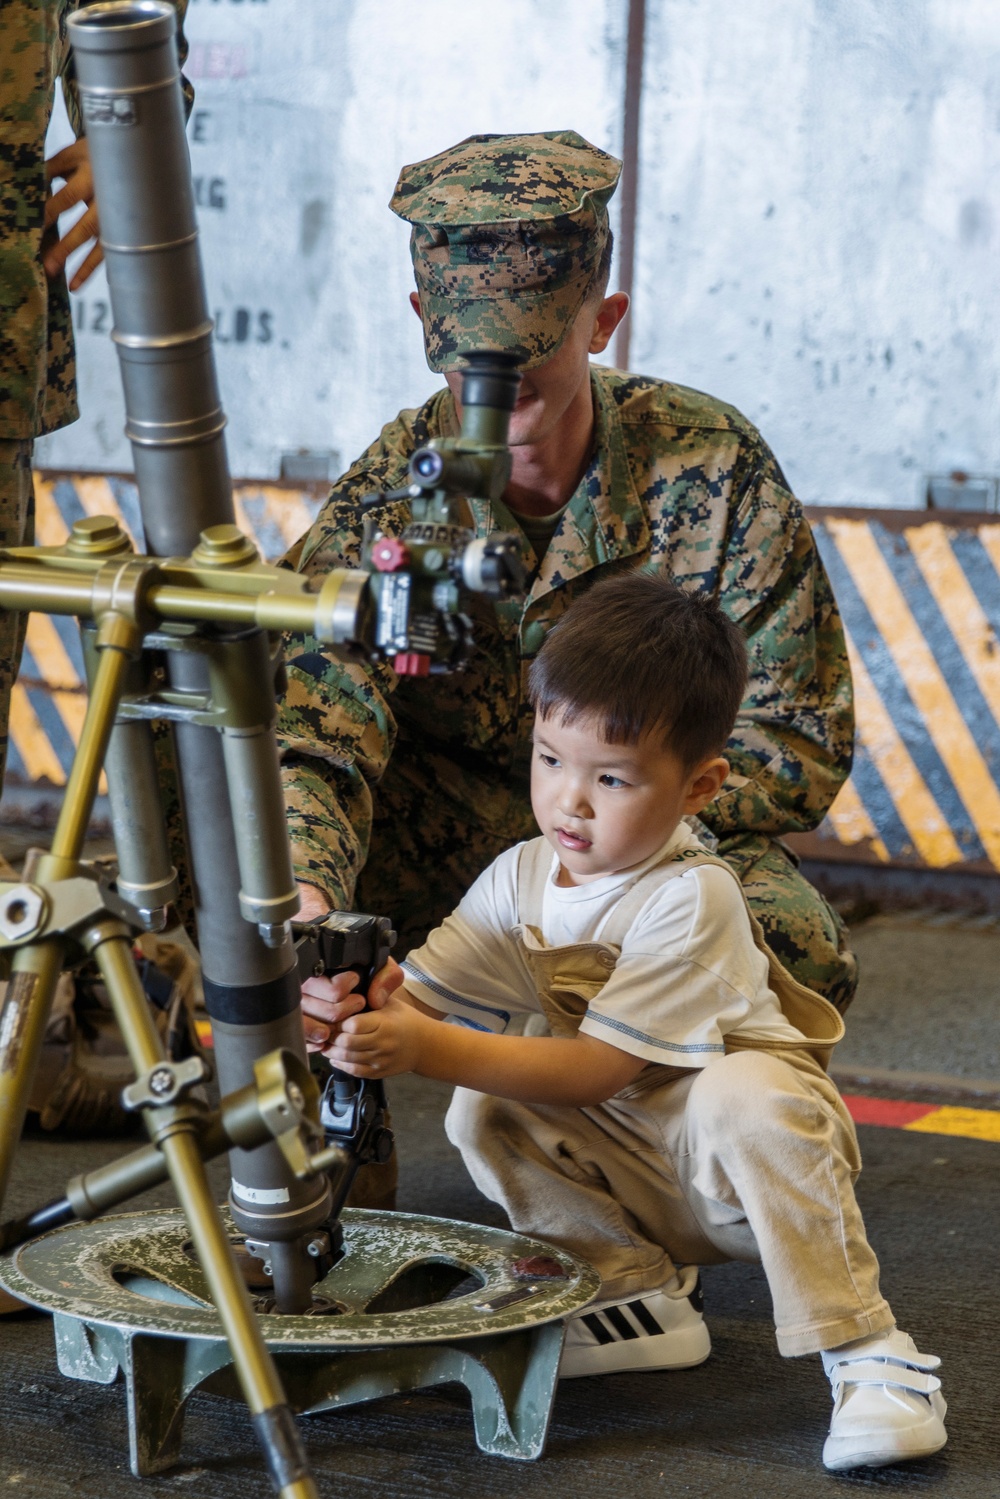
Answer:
[(689, 972)]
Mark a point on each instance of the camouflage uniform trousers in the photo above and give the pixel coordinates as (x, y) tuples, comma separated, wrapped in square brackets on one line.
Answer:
[(17, 528), (425, 855)]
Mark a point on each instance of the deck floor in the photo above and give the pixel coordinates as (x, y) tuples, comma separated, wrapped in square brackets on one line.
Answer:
[(746, 1423)]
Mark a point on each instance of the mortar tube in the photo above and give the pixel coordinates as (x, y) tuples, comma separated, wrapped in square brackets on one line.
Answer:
[(252, 996), (126, 63)]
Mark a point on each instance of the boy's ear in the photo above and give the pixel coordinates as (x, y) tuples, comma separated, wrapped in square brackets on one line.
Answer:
[(706, 783)]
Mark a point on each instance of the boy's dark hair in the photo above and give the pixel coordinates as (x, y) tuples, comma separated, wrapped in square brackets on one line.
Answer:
[(641, 655)]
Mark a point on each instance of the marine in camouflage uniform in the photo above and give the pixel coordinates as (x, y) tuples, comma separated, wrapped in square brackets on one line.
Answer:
[(400, 791), (37, 368)]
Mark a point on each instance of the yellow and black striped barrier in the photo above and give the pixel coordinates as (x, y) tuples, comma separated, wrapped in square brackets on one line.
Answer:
[(920, 599)]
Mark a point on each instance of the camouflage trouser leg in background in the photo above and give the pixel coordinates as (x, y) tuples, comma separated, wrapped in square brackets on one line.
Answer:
[(17, 517), (424, 857), (801, 927)]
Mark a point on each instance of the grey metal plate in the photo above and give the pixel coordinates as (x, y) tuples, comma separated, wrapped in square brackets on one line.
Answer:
[(73, 1270)]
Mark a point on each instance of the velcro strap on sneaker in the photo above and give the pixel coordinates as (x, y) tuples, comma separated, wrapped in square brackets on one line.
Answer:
[(882, 1371), (905, 1359), (915, 1360)]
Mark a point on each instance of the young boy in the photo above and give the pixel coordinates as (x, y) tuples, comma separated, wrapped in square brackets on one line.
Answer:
[(678, 1112)]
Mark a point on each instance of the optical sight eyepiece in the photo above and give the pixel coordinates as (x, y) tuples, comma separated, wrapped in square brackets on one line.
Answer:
[(491, 377)]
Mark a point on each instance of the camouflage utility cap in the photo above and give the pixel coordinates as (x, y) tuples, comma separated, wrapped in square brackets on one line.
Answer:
[(508, 231)]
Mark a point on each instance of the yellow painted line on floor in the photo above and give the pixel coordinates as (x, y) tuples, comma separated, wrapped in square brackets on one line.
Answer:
[(963, 613), (972, 1124), (851, 822), (50, 528), (97, 498), (919, 813), (924, 681), (40, 759)]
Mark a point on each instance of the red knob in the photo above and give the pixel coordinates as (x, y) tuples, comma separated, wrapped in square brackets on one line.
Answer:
[(390, 555), (411, 664)]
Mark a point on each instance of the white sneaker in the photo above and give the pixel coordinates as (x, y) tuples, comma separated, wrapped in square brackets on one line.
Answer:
[(664, 1329), (888, 1405)]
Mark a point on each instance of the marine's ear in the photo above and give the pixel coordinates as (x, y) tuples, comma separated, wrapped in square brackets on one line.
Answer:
[(415, 302), (606, 319)]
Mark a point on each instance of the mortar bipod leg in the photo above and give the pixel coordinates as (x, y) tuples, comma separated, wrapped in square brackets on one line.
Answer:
[(35, 968), (23, 1018), (175, 1135)]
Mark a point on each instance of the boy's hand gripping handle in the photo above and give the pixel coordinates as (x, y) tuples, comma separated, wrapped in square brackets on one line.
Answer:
[(352, 1110)]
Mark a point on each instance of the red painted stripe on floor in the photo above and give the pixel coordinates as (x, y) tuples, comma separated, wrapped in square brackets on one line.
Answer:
[(893, 1113)]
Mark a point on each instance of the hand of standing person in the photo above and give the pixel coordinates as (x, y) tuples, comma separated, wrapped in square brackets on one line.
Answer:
[(72, 165)]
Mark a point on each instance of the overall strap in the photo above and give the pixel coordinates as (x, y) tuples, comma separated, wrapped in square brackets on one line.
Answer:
[(533, 865), (623, 917), (812, 1014)]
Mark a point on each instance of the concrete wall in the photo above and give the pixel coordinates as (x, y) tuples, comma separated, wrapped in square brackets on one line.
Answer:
[(305, 112), (818, 215), (818, 230)]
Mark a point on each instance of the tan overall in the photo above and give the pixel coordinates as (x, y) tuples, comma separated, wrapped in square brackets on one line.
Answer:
[(753, 1157)]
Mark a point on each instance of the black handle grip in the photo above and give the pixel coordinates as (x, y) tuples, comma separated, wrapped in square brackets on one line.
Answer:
[(352, 1110), (343, 942)]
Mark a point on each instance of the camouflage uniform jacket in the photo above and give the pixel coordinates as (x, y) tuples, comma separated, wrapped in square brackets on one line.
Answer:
[(677, 482), (37, 370)]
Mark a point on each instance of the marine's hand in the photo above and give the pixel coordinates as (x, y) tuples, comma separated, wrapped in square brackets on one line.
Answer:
[(73, 166), (328, 1002), (381, 1042)]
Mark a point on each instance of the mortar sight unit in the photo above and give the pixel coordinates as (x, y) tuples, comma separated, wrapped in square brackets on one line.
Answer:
[(420, 580)]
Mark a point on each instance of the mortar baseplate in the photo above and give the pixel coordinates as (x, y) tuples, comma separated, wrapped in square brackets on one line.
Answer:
[(413, 1302)]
